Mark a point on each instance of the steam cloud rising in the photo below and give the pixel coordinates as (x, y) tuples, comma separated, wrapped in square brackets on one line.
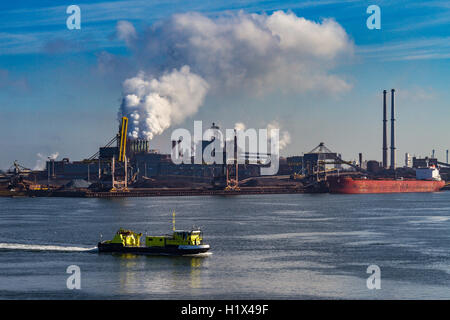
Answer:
[(285, 137), (152, 105), (42, 159), (252, 53)]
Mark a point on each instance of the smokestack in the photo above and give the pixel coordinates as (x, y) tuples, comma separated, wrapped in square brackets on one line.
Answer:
[(385, 148), (235, 146), (236, 157), (176, 147), (360, 160), (392, 130)]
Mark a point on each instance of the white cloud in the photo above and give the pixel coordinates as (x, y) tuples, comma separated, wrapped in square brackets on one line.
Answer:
[(415, 49), (416, 94), (125, 31), (254, 52)]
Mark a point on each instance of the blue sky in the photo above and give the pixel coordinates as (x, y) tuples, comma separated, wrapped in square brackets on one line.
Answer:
[(55, 97)]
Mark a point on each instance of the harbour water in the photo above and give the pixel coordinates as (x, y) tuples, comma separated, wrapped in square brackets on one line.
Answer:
[(292, 246)]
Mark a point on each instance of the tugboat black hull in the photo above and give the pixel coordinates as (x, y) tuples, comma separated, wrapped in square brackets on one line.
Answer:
[(178, 250)]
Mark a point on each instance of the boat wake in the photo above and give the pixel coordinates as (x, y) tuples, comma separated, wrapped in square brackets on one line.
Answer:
[(37, 247), (198, 255)]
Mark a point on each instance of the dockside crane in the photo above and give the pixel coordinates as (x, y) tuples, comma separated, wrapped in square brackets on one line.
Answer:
[(121, 185), (16, 175), (118, 159)]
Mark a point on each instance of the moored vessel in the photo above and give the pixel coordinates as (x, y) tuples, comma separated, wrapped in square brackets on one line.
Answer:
[(427, 180)]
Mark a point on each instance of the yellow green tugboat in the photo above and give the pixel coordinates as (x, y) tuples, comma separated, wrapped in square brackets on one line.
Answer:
[(179, 243)]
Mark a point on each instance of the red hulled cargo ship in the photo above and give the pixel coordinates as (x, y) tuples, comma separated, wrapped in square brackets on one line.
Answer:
[(427, 180), (351, 185)]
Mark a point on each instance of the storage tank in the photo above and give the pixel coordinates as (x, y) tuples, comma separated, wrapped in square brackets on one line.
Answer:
[(373, 166)]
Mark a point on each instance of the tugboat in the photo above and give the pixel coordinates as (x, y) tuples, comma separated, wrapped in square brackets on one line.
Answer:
[(179, 243)]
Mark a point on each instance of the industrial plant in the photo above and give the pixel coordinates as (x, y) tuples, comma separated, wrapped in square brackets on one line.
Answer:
[(128, 166)]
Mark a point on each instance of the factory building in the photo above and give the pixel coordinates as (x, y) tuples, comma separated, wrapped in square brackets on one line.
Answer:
[(295, 163), (149, 164), (64, 169), (132, 159), (319, 159), (424, 162)]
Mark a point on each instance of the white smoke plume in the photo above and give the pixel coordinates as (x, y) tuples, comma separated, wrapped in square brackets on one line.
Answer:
[(42, 159), (153, 105), (239, 126), (285, 137), (238, 53)]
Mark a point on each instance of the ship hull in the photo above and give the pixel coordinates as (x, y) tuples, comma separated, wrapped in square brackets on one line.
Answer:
[(167, 250), (355, 186)]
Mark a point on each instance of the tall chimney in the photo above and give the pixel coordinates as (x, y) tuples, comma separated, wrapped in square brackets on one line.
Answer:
[(392, 130), (385, 148)]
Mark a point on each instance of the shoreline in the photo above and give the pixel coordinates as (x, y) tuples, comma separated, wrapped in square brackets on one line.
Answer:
[(173, 192)]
